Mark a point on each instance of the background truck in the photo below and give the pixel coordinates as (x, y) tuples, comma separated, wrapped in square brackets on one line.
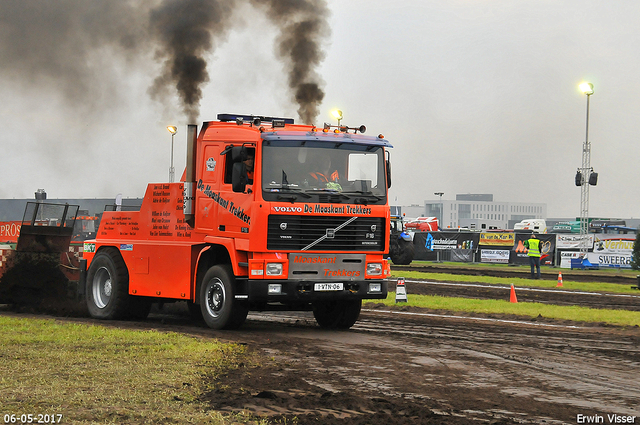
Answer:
[(401, 249), (303, 228)]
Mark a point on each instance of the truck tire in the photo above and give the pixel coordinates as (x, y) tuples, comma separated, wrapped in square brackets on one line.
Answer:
[(220, 309), (403, 252), (108, 286), (337, 314)]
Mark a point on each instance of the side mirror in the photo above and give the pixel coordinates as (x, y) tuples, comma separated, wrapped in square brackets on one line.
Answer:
[(239, 177), (388, 174), (239, 154)]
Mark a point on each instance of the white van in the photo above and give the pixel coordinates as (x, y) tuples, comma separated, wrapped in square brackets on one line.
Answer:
[(537, 225)]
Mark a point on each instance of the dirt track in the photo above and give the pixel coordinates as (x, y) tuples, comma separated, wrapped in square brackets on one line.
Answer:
[(405, 368)]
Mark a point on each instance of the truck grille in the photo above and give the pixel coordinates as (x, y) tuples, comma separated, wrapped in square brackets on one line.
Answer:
[(319, 233)]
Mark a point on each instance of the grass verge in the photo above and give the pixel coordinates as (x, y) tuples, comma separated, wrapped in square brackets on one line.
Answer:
[(95, 374), (525, 309), (542, 283)]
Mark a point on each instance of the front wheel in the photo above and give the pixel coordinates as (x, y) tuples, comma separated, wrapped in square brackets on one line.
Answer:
[(337, 314), (220, 309)]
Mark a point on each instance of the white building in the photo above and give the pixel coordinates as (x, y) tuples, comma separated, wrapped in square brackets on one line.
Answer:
[(479, 211)]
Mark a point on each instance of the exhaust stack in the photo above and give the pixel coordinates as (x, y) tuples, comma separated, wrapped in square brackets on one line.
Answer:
[(188, 193)]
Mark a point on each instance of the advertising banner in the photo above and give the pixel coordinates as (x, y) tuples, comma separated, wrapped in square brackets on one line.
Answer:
[(566, 257), (445, 246), (500, 256), (605, 250), (9, 231), (573, 241), (547, 248), (500, 239), (610, 250)]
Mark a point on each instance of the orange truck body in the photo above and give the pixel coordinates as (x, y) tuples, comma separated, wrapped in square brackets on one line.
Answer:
[(286, 244)]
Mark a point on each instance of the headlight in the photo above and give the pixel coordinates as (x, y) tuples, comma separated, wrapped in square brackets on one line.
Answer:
[(274, 269), (375, 287), (275, 288), (374, 269)]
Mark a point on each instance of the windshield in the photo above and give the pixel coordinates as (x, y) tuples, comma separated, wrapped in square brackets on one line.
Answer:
[(351, 172)]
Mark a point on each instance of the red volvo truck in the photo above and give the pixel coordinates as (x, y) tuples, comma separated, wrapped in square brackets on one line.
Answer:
[(268, 215)]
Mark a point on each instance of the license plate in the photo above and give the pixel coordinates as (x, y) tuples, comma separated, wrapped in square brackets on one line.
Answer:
[(328, 286)]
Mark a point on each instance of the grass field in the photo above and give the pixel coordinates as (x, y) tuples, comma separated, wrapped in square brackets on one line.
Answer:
[(523, 282), (527, 310), (526, 268), (95, 374)]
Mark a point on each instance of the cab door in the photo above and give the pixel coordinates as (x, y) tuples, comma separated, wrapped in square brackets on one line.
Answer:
[(208, 188), (235, 207)]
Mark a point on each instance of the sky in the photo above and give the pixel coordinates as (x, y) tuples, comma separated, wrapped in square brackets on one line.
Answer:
[(476, 96)]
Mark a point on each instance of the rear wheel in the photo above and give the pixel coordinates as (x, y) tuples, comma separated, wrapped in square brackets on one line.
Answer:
[(337, 314), (220, 309), (108, 286)]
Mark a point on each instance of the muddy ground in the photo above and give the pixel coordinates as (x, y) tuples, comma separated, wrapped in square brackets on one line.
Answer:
[(411, 366)]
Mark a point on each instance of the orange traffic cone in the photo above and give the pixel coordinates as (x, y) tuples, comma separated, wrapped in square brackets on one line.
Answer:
[(559, 280), (513, 297)]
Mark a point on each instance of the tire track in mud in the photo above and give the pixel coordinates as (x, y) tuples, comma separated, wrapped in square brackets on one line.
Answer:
[(557, 372)]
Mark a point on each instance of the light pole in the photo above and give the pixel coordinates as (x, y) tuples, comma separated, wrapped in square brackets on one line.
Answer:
[(585, 177), (173, 130), (440, 208)]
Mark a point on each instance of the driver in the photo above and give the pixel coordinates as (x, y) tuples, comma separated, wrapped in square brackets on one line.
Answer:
[(324, 176)]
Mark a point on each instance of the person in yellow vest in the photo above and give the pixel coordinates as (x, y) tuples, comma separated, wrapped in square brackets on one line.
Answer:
[(534, 252)]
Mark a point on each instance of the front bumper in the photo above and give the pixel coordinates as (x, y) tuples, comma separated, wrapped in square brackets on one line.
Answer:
[(297, 291)]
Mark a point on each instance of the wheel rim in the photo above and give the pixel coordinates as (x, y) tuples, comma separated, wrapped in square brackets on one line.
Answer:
[(216, 296), (102, 287)]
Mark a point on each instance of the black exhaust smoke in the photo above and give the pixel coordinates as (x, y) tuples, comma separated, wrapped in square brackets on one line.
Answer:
[(303, 29), (186, 31), (61, 45)]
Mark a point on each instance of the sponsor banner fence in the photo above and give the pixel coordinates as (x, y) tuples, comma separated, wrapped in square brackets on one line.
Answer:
[(605, 250)]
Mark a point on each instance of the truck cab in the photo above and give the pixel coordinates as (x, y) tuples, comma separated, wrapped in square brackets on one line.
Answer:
[(268, 215)]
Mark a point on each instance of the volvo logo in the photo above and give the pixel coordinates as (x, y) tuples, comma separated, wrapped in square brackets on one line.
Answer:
[(283, 226), (331, 233), (373, 227)]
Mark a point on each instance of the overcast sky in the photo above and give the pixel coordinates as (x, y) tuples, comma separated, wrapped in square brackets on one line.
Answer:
[(477, 96)]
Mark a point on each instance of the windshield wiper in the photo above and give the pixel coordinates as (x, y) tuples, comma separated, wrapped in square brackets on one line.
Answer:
[(293, 190), (365, 197)]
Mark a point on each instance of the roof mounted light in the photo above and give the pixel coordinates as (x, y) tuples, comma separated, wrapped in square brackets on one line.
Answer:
[(344, 128), (239, 120)]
